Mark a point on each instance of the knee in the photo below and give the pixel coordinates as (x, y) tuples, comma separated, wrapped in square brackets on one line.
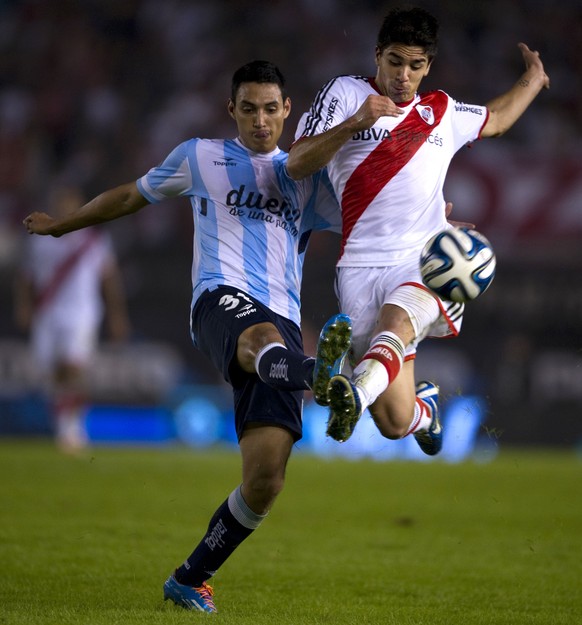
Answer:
[(252, 340), (392, 432), (260, 491), (391, 426)]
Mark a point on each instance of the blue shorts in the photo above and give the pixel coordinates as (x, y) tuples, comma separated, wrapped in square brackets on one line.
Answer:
[(219, 317)]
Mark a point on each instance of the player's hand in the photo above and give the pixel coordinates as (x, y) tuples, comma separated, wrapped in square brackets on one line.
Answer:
[(532, 60), (456, 224), (374, 107), (38, 223)]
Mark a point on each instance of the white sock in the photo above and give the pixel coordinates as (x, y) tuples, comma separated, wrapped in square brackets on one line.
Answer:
[(371, 379), (422, 418)]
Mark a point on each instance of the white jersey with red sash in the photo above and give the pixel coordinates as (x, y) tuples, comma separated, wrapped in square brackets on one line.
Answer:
[(390, 178), (67, 275)]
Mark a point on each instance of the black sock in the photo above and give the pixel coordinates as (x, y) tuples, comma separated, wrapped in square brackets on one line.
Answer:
[(230, 525), (284, 369)]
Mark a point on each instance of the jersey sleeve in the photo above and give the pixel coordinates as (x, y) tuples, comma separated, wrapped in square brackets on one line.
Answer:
[(468, 121), (328, 109), (172, 178)]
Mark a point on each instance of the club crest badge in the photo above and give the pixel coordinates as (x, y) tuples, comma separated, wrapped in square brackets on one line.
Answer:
[(425, 113)]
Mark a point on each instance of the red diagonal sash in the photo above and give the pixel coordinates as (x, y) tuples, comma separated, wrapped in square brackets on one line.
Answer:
[(386, 160), (63, 270)]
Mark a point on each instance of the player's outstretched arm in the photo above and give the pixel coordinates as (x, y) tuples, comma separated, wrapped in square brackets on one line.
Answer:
[(310, 154), (507, 108), (111, 204)]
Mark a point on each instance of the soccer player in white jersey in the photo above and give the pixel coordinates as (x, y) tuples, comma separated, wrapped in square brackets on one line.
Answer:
[(251, 227), (63, 291), (387, 148)]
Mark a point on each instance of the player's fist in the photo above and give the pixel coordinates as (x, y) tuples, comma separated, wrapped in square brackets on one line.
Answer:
[(374, 107), (38, 223)]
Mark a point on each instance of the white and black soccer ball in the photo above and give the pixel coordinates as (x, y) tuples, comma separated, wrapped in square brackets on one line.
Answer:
[(458, 264)]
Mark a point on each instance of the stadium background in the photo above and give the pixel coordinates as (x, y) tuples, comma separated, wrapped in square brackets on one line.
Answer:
[(98, 91)]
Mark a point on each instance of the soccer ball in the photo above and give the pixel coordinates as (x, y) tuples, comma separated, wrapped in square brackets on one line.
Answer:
[(458, 264)]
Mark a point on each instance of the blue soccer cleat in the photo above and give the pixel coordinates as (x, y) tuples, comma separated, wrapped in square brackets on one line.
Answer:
[(199, 598), (431, 440), (332, 348), (345, 408)]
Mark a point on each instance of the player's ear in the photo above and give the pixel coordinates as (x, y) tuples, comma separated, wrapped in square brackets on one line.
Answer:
[(428, 68), (287, 107), (377, 55), (230, 107)]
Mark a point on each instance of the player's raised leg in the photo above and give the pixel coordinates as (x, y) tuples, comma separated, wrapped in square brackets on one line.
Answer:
[(348, 398)]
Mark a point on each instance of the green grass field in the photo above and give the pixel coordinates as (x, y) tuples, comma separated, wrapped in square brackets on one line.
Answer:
[(90, 540)]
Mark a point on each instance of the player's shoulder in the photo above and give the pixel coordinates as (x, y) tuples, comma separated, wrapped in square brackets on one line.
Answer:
[(345, 88), (454, 106), (200, 149), (459, 106), (436, 94), (357, 78), (349, 80), (196, 143), (202, 142), (438, 101)]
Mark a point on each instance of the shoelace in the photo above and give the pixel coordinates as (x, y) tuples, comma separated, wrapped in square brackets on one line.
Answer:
[(206, 592)]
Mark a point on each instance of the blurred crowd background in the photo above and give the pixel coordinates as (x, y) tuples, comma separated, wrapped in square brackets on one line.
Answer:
[(95, 92)]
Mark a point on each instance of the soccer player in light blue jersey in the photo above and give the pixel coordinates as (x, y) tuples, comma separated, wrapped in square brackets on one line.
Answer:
[(251, 227)]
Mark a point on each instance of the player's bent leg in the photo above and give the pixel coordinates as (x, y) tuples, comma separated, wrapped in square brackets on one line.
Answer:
[(252, 340), (403, 409), (378, 369), (332, 348), (265, 451), (393, 411)]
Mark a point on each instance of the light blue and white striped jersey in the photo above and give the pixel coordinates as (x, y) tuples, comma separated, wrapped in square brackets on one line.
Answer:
[(251, 220)]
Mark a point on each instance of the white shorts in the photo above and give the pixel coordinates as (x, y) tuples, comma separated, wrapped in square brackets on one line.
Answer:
[(59, 339), (362, 291)]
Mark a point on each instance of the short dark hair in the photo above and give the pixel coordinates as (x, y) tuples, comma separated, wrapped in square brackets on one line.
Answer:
[(411, 26), (257, 71)]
